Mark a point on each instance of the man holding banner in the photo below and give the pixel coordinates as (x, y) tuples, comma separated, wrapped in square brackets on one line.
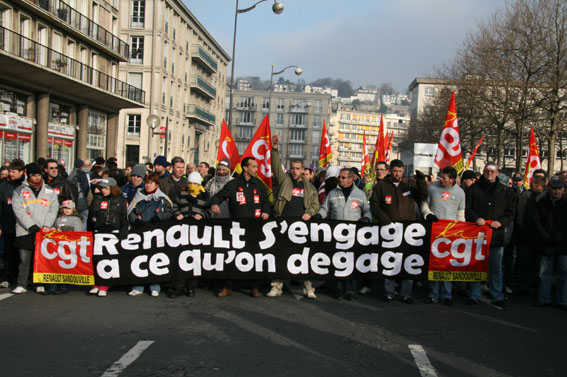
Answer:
[(247, 197), (297, 197), (488, 200)]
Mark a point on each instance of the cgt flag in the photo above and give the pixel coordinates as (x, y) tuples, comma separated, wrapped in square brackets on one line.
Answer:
[(227, 147), (534, 162), (449, 149), (260, 148), (471, 158), (388, 156), (325, 154), (63, 258), (365, 168)]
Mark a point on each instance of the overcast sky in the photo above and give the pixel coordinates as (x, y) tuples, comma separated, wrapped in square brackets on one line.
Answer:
[(364, 41)]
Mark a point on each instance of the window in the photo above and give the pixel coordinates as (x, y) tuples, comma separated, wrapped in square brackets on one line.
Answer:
[(281, 105), (429, 91), (138, 13), (173, 33), (245, 132), (279, 119), (163, 98), (296, 150), (297, 135), (316, 137), (59, 113), (266, 103), (136, 50), (317, 121), (246, 102), (96, 134), (299, 119), (134, 125), (246, 118), (318, 108), (170, 101)]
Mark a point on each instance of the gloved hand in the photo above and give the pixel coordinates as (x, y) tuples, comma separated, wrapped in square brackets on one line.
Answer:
[(431, 218), (316, 216), (419, 176), (34, 229), (365, 220)]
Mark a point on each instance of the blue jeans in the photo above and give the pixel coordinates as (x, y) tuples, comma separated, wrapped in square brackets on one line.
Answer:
[(495, 275), (545, 272), (390, 288), (153, 287), (440, 288), (348, 286)]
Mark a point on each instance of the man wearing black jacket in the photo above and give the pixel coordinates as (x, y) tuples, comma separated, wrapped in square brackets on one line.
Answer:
[(247, 197), (8, 222), (62, 187), (489, 200)]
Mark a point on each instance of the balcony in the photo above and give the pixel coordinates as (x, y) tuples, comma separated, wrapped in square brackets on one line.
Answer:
[(298, 126), (201, 115), (245, 106), (204, 60), (84, 25), (201, 86), (61, 68), (244, 122), (301, 108)]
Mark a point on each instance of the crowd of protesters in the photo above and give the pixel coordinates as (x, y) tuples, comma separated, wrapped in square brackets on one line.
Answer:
[(529, 225)]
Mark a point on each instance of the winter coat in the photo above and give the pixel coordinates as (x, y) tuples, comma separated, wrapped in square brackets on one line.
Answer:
[(213, 186), (550, 222), (310, 199), (129, 191), (245, 198), (149, 207), (187, 205), (391, 203), (353, 209), (82, 181), (491, 201), (7, 216), (72, 223), (169, 185), (63, 188), (30, 210), (108, 213)]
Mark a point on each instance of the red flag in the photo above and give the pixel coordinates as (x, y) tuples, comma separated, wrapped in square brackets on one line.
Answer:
[(227, 147), (471, 158), (534, 162), (379, 151), (365, 169), (260, 148), (449, 149), (388, 156), (325, 154)]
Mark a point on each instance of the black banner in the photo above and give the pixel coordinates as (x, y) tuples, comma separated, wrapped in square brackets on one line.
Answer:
[(255, 249)]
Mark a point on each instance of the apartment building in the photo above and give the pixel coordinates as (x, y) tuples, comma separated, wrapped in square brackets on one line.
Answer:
[(298, 117), (183, 69), (349, 127), (60, 90)]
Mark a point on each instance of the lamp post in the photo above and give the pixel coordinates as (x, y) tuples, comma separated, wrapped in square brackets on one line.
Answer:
[(153, 122), (277, 8)]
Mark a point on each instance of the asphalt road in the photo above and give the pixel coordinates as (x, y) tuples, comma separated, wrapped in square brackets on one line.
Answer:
[(80, 335)]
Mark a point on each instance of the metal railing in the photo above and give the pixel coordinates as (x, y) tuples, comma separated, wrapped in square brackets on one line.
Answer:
[(202, 114), (85, 25), (200, 52), (18, 45), (203, 84)]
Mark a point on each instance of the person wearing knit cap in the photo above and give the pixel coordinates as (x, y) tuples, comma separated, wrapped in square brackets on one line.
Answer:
[(35, 206), (136, 183), (467, 179), (189, 202), (160, 167)]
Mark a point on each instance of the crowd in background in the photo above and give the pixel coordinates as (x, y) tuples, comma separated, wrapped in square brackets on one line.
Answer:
[(529, 224)]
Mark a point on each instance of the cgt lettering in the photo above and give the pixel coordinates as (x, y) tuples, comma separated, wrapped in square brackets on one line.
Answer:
[(460, 251)]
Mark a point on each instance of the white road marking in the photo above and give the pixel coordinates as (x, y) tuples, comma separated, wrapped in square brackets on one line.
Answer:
[(128, 358), (489, 303), (5, 295), (422, 361)]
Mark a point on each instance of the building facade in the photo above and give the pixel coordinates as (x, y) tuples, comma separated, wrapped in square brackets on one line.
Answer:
[(349, 127), (59, 83), (183, 69), (297, 117)]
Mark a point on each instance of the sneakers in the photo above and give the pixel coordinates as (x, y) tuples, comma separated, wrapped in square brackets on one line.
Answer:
[(388, 298), (40, 290), (93, 291), (224, 292), (4, 284), (19, 290), (101, 293), (430, 300), (134, 292), (155, 293), (407, 300), (310, 293), (274, 292), (365, 290)]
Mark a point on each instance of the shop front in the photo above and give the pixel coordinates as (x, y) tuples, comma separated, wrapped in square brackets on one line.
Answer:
[(61, 143), (16, 137)]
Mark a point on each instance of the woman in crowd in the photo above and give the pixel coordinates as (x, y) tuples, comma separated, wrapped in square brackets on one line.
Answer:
[(149, 205), (107, 214)]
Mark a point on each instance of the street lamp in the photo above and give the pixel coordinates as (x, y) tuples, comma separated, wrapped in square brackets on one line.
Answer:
[(298, 72), (277, 8), (153, 122)]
